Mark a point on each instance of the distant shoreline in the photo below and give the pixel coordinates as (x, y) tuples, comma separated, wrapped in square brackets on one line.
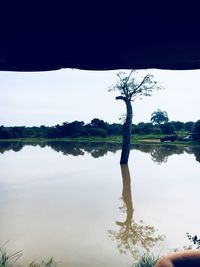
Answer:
[(136, 139)]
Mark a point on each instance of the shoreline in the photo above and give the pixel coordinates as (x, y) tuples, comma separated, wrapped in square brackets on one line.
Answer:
[(114, 139)]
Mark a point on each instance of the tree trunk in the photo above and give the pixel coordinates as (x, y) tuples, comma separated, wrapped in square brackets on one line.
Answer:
[(126, 133)]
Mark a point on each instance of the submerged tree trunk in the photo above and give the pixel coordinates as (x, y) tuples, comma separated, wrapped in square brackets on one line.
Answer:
[(126, 133)]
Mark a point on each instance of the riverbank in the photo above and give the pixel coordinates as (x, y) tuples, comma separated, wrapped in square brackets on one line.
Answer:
[(117, 139)]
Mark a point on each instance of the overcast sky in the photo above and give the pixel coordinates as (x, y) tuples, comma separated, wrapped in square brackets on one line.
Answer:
[(50, 98)]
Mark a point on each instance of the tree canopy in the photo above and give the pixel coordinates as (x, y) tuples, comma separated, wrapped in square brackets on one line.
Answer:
[(196, 130), (159, 117), (134, 86)]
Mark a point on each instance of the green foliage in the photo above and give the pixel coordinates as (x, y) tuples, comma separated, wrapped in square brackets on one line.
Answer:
[(9, 260), (97, 123), (6, 259), (177, 125), (5, 133), (49, 263), (159, 117), (188, 126), (96, 128), (142, 128), (146, 261), (167, 128), (196, 130)]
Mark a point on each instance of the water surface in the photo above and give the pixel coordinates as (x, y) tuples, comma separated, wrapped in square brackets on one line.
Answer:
[(72, 201)]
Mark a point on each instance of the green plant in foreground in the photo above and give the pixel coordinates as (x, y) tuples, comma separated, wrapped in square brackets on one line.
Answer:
[(6, 259), (9, 260), (146, 261), (49, 263)]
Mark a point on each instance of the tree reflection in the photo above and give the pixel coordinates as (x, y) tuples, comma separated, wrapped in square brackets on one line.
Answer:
[(131, 236), (196, 151), (95, 149), (67, 148), (6, 146), (159, 153)]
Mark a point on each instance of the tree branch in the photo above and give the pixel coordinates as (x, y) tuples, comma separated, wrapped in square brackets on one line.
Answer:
[(120, 98), (142, 82), (124, 83), (129, 76), (119, 77)]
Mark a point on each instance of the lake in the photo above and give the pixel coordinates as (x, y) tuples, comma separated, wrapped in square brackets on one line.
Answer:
[(73, 201)]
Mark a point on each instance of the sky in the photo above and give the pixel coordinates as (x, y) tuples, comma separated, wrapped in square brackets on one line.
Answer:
[(54, 97)]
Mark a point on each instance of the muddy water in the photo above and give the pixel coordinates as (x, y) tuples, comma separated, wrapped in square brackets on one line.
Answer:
[(74, 202)]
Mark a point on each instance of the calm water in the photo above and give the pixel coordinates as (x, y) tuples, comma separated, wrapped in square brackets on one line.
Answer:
[(75, 203)]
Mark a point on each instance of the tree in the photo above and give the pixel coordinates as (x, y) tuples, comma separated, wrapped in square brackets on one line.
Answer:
[(5, 132), (97, 123), (130, 88), (178, 125), (196, 130), (188, 126), (142, 128), (159, 117), (167, 128)]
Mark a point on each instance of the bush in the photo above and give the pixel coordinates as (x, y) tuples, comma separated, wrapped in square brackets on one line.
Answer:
[(98, 132), (146, 261), (167, 128)]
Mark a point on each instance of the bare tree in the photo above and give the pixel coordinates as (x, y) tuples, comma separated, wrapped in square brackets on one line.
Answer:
[(131, 87)]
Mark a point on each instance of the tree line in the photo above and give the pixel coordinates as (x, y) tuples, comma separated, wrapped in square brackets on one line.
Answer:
[(96, 128)]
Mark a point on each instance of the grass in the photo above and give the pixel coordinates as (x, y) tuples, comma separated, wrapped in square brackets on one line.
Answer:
[(117, 139), (113, 138), (6, 259), (146, 261), (49, 263), (9, 260)]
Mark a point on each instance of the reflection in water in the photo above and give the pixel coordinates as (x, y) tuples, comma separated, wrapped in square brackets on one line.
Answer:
[(126, 195), (95, 149), (159, 153), (14, 146), (131, 236), (49, 207), (196, 151)]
